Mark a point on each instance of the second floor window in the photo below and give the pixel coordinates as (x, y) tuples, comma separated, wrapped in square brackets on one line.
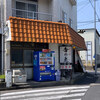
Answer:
[(70, 22), (26, 10), (64, 16)]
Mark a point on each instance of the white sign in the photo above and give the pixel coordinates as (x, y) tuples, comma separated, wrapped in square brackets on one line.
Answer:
[(66, 67), (65, 54)]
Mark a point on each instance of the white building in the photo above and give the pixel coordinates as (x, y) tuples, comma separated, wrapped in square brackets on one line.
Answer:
[(64, 11), (88, 57)]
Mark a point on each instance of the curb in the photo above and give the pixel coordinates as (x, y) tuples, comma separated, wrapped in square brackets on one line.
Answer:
[(44, 84), (57, 83)]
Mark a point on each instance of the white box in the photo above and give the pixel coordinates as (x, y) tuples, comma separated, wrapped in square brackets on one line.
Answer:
[(19, 76)]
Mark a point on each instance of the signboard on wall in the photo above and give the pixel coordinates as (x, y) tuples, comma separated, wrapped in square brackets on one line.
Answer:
[(65, 55), (66, 67)]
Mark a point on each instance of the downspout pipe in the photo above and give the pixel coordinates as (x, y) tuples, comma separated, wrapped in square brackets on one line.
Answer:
[(2, 31)]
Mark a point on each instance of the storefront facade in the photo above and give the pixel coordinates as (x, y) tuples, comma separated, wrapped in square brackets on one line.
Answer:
[(49, 10), (26, 36), (22, 55)]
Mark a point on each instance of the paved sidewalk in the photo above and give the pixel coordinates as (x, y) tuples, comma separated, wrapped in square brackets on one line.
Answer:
[(33, 84)]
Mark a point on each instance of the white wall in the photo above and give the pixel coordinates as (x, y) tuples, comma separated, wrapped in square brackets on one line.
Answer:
[(64, 5), (7, 55), (55, 7), (8, 9), (89, 36), (43, 6), (54, 47)]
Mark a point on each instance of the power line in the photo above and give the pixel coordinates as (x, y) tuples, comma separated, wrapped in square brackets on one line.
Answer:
[(84, 24), (93, 8), (82, 7), (88, 21), (82, 2)]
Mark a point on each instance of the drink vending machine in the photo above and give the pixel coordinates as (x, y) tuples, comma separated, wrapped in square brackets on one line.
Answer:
[(44, 66)]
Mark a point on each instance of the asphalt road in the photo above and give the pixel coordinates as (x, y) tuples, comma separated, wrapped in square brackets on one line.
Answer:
[(52, 93), (86, 88)]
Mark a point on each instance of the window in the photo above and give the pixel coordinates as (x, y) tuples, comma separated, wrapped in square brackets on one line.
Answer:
[(28, 58), (20, 5), (26, 10), (17, 57), (33, 8), (20, 58), (89, 52), (70, 22), (22, 53), (64, 17)]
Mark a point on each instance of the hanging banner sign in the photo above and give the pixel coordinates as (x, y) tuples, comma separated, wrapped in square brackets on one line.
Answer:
[(65, 54)]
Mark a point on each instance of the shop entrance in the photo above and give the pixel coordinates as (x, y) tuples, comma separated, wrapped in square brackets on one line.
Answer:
[(22, 56)]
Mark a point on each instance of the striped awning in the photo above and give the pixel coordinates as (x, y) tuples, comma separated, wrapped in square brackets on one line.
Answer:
[(30, 30)]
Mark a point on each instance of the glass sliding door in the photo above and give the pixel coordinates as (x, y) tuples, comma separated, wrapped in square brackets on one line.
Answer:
[(28, 61)]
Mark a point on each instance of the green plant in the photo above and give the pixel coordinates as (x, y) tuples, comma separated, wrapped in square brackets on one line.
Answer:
[(2, 76)]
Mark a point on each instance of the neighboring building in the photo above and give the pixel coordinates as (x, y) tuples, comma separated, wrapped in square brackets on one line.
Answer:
[(49, 33), (88, 57)]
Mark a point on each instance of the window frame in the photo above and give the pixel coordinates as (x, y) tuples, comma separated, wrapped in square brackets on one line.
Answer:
[(63, 16), (23, 62), (26, 3), (23, 46), (70, 22)]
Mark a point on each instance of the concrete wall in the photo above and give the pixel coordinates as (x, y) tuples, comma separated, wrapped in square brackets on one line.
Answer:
[(54, 7), (64, 5), (89, 36), (43, 6), (7, 55), (7, 9), (54, 47)]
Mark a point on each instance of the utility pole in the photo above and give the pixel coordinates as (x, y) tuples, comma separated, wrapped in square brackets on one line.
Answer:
[(95, 36)]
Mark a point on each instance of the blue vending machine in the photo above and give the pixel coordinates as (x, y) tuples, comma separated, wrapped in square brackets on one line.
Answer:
[(44, 66)]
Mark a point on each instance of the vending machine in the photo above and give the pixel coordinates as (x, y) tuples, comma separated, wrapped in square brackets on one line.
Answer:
[(44, 66)]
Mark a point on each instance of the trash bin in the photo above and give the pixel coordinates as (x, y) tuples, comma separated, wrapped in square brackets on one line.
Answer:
[(57, 75)]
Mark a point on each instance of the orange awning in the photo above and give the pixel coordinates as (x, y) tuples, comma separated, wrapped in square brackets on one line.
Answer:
[(30, 30)]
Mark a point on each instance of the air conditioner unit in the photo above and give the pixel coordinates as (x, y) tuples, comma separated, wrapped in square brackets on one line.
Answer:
[(19, 76), (73, 2)]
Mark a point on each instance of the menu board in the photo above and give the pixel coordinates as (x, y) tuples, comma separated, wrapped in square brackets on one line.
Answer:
[(46, 59)]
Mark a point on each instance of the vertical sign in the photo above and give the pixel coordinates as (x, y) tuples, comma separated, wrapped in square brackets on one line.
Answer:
[(66, 57), (65, 54)]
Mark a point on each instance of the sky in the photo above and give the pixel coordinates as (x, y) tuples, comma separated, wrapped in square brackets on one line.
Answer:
[(85, 14)]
